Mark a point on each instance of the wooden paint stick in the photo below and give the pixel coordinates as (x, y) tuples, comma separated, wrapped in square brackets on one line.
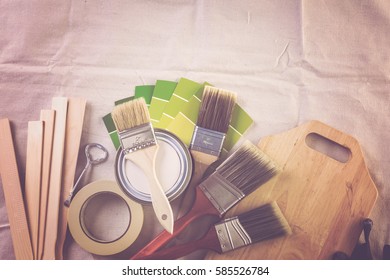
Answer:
[(48, 118), (74, 128), (60, 105), (33, 180), (13, 194)]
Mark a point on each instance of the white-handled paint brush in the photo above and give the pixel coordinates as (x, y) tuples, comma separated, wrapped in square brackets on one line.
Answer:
[(259, 224), (139, 144)]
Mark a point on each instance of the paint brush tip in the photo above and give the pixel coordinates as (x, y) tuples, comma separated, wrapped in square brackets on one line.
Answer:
[(265, 222), (130, 114), (248, 168), (216, 109)]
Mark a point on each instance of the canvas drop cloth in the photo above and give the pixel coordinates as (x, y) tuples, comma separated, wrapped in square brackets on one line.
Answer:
[(288, 61)]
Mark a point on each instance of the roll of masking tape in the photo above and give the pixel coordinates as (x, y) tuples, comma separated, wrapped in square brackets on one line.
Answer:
[(103, 220)]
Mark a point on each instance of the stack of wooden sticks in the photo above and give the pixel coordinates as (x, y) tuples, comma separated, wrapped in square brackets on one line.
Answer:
[(38, 219)]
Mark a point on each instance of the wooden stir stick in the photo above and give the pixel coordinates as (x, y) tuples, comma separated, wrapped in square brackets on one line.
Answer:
[(60, 105), (13, 194), (48, 118), (74, 127), (33, 180)]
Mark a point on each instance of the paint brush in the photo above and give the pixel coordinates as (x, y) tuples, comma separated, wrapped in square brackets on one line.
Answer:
[(259, 224), (139, 144), (239, 175), (207, 140)]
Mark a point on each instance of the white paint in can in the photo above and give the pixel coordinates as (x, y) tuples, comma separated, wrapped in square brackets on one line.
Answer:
[(173, 169), (167, 169)]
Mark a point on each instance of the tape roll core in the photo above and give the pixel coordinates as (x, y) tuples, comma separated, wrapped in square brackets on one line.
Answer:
[(103, 202), (94, 216)]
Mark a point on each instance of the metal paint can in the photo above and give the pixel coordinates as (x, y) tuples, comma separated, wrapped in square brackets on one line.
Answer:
[(174, 169)]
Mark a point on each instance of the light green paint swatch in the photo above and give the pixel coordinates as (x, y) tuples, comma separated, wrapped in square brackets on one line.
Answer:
[(184, 122), (162, 93), (184, 90)]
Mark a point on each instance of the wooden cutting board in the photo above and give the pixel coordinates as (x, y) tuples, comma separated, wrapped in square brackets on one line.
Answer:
[(324, 200)]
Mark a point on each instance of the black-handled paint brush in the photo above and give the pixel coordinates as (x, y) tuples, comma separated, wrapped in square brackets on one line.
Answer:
[(208, 137), (240, 174), (139, 144), (262, 223)]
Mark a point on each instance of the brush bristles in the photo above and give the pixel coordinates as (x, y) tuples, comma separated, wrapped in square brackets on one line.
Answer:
[(264, 222), (247, 168), (130, 114), (216, 109)]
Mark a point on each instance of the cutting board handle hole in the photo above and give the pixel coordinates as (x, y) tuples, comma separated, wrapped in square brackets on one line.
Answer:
[(328, 147)]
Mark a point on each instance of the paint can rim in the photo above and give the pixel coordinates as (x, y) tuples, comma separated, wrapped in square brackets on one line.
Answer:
[(185, 172)]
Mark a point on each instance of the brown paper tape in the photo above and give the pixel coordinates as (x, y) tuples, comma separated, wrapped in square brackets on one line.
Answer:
[(103, 220)]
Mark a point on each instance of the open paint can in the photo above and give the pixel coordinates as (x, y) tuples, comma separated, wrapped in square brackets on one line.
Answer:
[(173, 169)]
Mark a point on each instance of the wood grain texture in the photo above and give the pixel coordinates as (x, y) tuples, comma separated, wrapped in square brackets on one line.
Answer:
[(48, 118), (33, 180), (323, 200), (13, 194), (60, 105), (74, 128)]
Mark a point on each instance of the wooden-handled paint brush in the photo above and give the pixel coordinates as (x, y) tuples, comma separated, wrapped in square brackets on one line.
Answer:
[(259, 224), (139, 144), (207, 140), (240, 174)]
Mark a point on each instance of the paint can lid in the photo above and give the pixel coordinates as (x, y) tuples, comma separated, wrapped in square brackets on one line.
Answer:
[(174, 169)]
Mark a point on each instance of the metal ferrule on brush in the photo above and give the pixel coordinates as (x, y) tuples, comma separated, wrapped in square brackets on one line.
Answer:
[(221, 193), (207, 141), (232, 235), (137, 138)]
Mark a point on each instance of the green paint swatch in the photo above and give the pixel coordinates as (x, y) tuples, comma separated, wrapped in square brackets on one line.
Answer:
[(184, 90), (145, 91), (162, 93), (186, 96), (183, 128), (140, 91), (124, 100), (111, 129), (239, 124)]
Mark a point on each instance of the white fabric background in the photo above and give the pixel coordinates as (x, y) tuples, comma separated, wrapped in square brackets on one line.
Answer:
[(289, 62)]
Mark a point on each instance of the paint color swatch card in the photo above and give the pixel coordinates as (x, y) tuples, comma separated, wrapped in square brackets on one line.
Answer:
[(183, 124), (239, 124), (162, 94), (145, 91), (111, 129), (175, 107), (184, 90)]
